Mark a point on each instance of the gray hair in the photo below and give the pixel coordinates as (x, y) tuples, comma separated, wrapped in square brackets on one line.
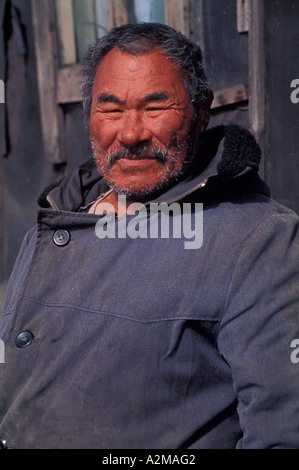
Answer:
[(142, 38)]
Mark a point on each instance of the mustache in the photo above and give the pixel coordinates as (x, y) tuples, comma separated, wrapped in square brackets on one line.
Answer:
[(138, 153)]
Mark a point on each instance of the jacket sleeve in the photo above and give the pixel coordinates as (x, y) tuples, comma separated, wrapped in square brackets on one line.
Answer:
[(259, 324)]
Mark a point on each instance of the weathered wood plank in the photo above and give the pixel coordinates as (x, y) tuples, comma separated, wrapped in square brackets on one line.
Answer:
[(69, 84), (3, 72), (177, 15), (229, 96), (117, 13), (46, 79), (257, 74), (2, 92), (2, 153), (243, 12), (66, 31)]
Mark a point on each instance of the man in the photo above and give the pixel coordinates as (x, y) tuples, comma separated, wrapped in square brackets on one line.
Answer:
[(119, 336)]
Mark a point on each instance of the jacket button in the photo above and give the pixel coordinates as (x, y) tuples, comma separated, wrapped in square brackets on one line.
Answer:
[(3, 444), (24, 339), (61, 237)]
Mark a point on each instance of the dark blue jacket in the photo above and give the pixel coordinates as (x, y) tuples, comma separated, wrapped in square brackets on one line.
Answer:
[(141, 343)]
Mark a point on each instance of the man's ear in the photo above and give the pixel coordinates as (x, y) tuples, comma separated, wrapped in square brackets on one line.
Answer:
[(204, 119), (205, 112)]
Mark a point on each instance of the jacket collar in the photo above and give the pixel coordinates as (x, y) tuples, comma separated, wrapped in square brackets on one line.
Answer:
[(225, 155)]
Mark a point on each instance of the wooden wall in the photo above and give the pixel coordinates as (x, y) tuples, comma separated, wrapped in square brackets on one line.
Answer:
[(282, 115)]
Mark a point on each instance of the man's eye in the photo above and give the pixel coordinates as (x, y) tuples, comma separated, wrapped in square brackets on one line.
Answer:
[(155, 109), (113, 111), (107, 110)]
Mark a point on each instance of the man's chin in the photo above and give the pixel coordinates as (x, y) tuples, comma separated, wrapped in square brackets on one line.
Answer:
[(142, 193), (139, 194), (139, 189)]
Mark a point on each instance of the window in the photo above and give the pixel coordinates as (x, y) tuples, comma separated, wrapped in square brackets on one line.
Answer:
[(90, 22), (92, 18), (146, 11), (80, 23)]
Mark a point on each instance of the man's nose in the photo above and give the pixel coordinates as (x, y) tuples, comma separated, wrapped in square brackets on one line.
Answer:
[(133, 132)]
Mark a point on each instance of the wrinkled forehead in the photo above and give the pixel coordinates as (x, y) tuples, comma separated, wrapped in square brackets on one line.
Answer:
[(152, 69)]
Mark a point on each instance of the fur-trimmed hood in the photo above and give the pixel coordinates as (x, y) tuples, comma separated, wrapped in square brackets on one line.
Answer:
[(227, 163)]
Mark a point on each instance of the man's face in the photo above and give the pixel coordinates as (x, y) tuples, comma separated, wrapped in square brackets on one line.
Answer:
[(141, 123)]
